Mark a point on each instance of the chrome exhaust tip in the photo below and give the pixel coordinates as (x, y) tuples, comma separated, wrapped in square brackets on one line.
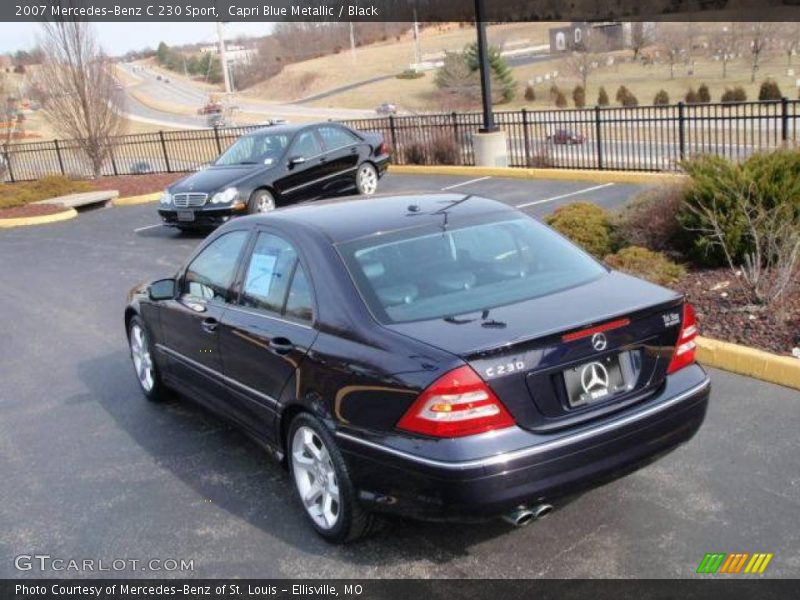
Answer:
[(519, 517)]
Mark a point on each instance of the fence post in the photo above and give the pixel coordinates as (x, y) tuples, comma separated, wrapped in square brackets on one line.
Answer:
[(681, 131), (526, 137), (8, 164), (58, 155), (113, 159), (598, 139), (393, 133), (216, 139), (784, 119), (164, 149), (454, 121)]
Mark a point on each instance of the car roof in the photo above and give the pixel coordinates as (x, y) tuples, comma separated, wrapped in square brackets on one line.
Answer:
[(348, 219)]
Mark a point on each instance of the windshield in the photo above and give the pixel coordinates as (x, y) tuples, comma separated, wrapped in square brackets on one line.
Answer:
[(264, 148), (415, 276)]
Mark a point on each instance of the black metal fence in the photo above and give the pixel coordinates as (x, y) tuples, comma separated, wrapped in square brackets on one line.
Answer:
[(643, 138)]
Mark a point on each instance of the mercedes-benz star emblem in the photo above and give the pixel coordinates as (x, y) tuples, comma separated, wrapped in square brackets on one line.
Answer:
[(594, 378), (599, 342)]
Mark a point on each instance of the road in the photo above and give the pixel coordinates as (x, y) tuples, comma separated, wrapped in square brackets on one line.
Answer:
[(186, 97), (92, 470)]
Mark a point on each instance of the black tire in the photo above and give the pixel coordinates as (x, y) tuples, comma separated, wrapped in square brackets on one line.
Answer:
[(259, 201), (353, 521), (157, 392)]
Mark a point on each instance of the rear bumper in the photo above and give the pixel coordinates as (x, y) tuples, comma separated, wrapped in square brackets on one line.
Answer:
[(416, 478), (203, 218)]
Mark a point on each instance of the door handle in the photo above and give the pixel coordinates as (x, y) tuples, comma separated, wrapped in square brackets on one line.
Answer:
[(209, 325), (281, 345)]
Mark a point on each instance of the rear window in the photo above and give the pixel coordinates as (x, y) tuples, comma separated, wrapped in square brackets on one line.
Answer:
[(413, 275)]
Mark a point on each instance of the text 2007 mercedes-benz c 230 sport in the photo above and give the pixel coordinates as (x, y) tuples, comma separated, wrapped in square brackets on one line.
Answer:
[(436, 356)]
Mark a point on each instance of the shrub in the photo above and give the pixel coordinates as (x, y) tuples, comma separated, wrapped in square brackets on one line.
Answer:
[(410, 74), (625, 97), (602, 97), (622, 93), (561, 100), (530, 93), (690, 97), (662, 98), (444, 150), (650, 219), (579, 96), (703, 94), (646, 264), (769, 90), (554, 92), (737, 94), (51, 186), (586, 224), (414, 153)]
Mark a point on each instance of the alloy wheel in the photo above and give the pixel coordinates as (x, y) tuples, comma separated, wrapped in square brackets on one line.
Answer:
[(142, 361), (264, 203), (367, 179), (315, 478)]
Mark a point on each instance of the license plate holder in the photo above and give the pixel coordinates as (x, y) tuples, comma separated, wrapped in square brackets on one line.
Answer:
[(595, 381), (185, 216)]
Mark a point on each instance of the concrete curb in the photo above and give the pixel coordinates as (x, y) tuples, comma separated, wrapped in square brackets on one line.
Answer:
[(559, 174), (134, 200), (783, 370), (64, 215)]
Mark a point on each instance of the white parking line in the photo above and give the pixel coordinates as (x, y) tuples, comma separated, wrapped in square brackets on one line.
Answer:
[(138, 229), (450, 187), (591, 189)]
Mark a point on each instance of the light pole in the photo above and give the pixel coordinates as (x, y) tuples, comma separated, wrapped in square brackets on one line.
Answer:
[(483, 65)]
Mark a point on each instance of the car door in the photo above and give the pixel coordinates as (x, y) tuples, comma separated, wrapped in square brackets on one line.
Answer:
[(342, 151), (267, 333), (190, 322), (305, 169)]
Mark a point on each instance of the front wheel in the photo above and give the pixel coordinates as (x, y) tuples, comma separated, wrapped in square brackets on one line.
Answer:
[(143, 362), (322, 483), (262, 201), (367, 179)]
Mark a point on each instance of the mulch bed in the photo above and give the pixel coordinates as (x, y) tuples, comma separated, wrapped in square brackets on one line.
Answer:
[(136, 185), (723, 312), (30, 210)]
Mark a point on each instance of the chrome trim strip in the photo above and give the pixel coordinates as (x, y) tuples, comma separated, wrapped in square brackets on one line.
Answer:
[(264, 315), (532, 450), (210, 371), (331, 176)]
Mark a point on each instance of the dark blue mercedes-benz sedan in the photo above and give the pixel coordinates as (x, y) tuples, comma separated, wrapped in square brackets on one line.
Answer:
[(435, 356)]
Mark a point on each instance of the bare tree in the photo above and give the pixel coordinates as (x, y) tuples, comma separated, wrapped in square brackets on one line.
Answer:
[(8, 120), (760, 37), (585, 60), (641, 37), (79, 94), (673, 41), (725, 44), (789, 35)]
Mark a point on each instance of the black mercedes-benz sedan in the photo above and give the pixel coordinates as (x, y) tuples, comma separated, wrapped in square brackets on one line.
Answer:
[(276, 166), (443, 357)]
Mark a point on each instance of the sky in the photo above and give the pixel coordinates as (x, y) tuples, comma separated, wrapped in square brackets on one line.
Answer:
[(118, 38)]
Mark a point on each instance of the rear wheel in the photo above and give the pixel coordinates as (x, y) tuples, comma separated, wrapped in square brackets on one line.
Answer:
[(322, 484), (262, 201), (143, 361), (367, 179)]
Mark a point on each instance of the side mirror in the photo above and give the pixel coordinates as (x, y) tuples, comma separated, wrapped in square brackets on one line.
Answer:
[(163, 289), (296, 160)]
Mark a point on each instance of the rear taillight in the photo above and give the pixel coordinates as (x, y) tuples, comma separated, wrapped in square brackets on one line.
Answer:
[(685, 347), (383, 149), (457, 404)]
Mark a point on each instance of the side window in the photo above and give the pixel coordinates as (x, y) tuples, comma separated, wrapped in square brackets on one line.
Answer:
[(306, 145), (336, 137), (211, 273), (299, 302), (268, 273)]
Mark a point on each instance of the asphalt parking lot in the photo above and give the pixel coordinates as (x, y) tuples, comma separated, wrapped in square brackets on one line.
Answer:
[(90, 470)]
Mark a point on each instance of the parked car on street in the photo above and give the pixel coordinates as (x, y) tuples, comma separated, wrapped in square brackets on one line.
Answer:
[(438, 356), (276, 166), (565, 136), (386, 109)]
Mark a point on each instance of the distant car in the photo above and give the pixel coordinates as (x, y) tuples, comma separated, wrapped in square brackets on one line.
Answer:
[(275, 166), (270, 122), (386, 109), (166, 79), (210, 108), (216, 120), (158, 77), (565, 136), (141, 167)]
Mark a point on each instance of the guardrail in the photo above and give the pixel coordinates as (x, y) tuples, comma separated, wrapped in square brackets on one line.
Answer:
[(642, 138)]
